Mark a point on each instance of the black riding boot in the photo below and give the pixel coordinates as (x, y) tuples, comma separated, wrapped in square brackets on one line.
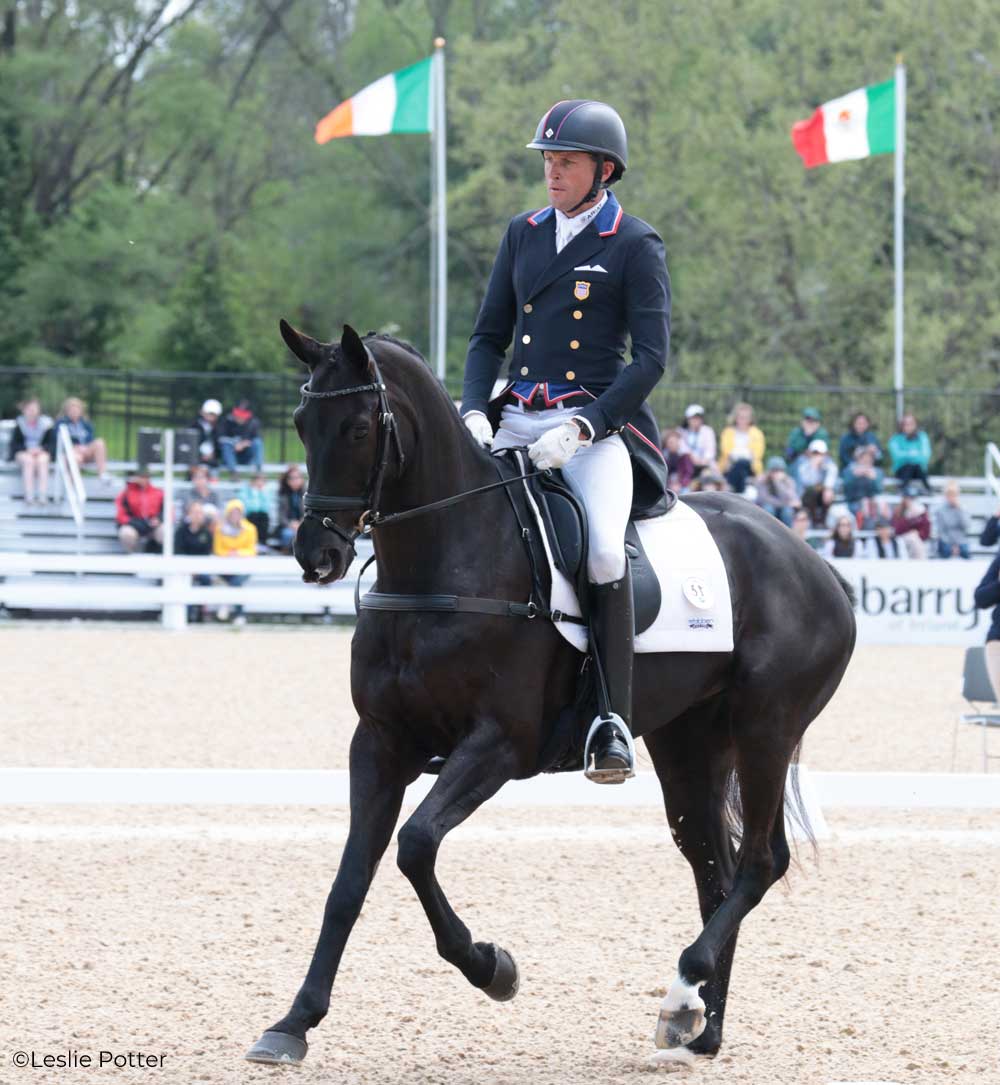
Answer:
[(614, 627)]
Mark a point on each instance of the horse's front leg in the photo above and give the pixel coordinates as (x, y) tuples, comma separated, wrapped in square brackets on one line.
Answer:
[(379, 775), (475, 771)]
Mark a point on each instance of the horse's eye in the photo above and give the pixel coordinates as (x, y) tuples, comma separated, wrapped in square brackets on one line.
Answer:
[(359, 433)]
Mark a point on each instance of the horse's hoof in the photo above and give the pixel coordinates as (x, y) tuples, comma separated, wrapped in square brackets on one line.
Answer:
[(277, 1048), (676, 1028), (506, 980)]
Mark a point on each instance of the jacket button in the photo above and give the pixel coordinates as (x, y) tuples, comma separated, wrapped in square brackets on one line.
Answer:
[(524, 371), (570, 375), (525, 339), (528, 307), (578, 314), (574, 344)]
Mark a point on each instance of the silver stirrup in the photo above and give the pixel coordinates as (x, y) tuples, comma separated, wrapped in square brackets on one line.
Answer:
[(609, 776)]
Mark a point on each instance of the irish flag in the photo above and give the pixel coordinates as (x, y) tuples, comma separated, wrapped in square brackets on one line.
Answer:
[(860, 124), (399, 102)]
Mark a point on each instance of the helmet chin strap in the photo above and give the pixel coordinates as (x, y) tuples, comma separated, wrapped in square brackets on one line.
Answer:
[(594, 188)]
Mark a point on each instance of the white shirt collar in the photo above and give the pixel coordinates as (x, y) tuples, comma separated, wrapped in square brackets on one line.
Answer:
[(567, 228)]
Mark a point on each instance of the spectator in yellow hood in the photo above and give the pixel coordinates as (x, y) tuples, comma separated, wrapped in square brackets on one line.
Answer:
[(234, 537)]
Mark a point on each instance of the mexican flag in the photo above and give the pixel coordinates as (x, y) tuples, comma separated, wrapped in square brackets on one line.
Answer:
[(398, 102), (857, 125)]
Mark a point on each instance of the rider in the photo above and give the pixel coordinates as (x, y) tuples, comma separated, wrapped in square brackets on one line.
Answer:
[(570, 284)]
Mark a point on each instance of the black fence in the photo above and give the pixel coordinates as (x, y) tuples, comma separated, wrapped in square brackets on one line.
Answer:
[(959, 423)]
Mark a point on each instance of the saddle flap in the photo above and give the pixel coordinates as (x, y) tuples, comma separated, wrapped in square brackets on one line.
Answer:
[(565, 520), (646, 594)]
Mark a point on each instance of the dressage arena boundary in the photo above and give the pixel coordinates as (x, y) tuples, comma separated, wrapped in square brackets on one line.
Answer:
[(330, 787)]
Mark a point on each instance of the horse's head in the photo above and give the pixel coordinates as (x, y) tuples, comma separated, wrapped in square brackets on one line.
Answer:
[(339, 425)]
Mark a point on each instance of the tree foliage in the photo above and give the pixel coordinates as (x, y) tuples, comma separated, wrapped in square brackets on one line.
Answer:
[(162, 201)]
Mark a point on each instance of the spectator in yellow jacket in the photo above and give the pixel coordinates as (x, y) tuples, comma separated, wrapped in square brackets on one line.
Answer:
[(741, 448), (234, 537)]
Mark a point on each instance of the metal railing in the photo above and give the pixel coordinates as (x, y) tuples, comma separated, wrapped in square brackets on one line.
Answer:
[(69, 476), (991, 467)]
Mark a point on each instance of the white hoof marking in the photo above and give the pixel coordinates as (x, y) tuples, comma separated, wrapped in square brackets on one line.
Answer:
[(682, 998)]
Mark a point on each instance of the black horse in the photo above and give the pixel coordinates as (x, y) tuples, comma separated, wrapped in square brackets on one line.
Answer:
[(483, 691)]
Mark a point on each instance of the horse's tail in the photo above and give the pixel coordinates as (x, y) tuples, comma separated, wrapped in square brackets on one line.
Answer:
[(793, 806), (848, 591)]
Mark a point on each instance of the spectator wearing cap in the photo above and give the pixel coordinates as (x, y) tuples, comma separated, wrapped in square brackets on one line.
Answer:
[(139, 513), (810, 428), (699, 439), (207, 425), (911, 522), (910, 449), (239, 438), (862, 479), (741, 448), (776, 492), (951, 524), (859, 433), (884, 545), (680, 466), (815, 476), (842, 542)]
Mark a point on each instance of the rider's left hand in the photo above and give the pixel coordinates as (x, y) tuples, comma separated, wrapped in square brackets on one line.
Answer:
[(557, 446)]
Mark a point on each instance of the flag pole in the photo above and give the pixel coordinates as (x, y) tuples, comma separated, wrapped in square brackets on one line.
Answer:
[(899, 190), (439, 231)]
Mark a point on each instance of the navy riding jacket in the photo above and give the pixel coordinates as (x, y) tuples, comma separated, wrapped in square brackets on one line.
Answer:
[(570, 316), (988, 595)]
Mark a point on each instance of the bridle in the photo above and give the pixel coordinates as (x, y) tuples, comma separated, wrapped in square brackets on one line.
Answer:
[(315, 506)]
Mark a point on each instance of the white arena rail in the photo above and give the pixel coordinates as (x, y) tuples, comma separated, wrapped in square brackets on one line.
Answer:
[(111, 582)]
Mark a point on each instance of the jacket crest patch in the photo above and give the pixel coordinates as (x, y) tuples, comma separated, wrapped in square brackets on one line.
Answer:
[(581, 291)]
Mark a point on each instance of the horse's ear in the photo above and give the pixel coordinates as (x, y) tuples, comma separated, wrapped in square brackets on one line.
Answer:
[(354, 351), (307, 350)]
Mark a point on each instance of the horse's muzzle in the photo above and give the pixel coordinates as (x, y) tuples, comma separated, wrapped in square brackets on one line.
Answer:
[(324, 556)]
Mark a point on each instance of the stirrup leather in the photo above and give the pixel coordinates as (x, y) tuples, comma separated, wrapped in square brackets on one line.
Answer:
[(609, 776)]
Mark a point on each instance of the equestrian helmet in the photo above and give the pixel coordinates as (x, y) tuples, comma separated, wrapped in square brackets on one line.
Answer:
[(584, 125)]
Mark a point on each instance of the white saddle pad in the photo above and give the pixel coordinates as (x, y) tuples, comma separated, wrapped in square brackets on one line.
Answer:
[(696, 609)]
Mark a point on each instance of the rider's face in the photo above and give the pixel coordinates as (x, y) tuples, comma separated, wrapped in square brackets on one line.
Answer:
[(568, 177)]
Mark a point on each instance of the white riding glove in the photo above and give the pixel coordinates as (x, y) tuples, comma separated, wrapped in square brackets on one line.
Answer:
[(480, 428), (556, 447)]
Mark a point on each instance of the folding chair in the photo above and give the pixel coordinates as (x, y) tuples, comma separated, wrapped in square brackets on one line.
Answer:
[(978, 692)]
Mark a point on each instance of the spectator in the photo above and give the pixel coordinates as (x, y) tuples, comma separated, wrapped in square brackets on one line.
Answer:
[(741, 448), (680, 466), (809, 429), (194, 537), (699, 439), (910, 450), (862, 479), (776, 492), (201, 491), (207, 425), (239, 439), (86, 447), (140, 513), (842, 543), (869, 512), (988, 595), (884, 544), (859, 433), (290, 491), (257, 502), (234, 536), (911, 522), (991, 532), (951, 524), (33, 446), (802, 526), (816, 478)]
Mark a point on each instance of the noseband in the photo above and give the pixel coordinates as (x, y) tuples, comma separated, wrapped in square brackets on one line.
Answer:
[(315, 506)]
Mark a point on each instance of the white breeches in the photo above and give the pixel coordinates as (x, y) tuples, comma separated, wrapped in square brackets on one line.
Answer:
[(603, 474)]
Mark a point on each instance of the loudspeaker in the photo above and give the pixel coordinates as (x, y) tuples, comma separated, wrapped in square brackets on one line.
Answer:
[(150, 446)]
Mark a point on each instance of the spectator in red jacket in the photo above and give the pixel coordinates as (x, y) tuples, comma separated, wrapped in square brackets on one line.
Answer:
[(140, 514), (680, 466), (911, 523)]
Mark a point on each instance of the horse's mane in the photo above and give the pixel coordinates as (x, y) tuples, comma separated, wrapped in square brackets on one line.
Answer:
[(384, 337)]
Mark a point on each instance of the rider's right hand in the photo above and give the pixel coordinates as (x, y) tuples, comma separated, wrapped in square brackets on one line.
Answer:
[(480, 428)]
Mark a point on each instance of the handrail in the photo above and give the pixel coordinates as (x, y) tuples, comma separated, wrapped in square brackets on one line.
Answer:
[(69, 474), (991, 468)]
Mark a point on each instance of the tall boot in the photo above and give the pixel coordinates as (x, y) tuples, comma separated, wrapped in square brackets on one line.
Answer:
[(613, 625)]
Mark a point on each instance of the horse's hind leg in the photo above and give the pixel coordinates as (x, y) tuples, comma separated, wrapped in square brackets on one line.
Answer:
[(379, 775), (475, 770)]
